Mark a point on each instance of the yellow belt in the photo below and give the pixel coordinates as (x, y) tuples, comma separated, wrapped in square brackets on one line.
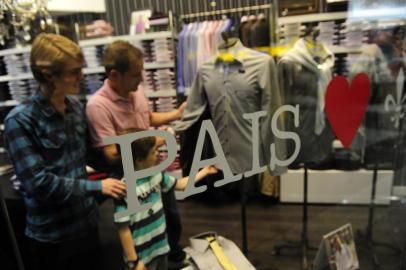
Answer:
[(218, 252)]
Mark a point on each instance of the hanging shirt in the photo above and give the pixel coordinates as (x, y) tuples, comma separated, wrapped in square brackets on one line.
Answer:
[(304, 82), (181, 48), (247, 85), (201, 44), (193, 52), (217, 39), (208, 37), (188, 58)]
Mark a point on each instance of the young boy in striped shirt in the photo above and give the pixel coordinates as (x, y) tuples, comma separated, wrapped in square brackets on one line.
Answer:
[(143, 235)]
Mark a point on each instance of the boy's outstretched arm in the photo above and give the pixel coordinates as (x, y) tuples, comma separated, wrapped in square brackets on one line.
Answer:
[(182, 182)]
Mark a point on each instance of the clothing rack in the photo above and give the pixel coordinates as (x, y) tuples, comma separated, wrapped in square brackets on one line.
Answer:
[(272, 16), (224, 11)]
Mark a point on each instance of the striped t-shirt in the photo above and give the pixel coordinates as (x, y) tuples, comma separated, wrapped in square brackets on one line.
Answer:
[(148, 227)]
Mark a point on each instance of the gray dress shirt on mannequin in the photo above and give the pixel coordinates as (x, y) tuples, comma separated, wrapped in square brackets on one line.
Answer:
[(246, 85)]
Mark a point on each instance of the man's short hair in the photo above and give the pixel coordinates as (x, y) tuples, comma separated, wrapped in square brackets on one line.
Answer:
[(52, 52), (118, 55)]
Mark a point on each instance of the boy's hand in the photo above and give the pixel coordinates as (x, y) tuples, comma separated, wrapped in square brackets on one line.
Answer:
[(140, 266), (113, 188), (209, 170)]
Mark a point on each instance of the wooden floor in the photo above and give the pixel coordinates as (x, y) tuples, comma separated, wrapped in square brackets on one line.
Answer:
[(270, 225)]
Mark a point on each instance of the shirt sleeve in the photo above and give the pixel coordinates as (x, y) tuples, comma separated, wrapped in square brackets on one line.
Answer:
[(168, 182), (120, 206), (196, 104), (32, 171), (100, 123)]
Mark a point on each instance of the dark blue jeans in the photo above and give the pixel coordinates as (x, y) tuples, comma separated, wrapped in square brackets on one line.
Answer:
[(82, 253), (173, 224)]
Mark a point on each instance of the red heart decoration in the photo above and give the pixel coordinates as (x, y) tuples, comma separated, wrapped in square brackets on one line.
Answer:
[(346, 106)]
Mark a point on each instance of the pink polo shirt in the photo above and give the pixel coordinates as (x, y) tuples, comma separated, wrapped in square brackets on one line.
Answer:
[(109, 114)]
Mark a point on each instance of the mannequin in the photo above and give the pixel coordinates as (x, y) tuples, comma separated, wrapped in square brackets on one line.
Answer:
[(237, 81), (381, 131), (304, 74)]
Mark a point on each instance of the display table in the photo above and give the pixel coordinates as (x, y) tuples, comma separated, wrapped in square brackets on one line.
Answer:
[(334, 186)]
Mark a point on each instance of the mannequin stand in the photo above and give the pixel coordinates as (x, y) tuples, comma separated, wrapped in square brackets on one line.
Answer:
[(303, 245), (243, 203), (367, 237)]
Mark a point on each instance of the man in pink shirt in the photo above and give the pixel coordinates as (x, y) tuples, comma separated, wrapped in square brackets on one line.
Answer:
[(121, 104)]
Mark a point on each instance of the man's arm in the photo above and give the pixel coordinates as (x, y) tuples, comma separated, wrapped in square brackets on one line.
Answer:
[(161, 118), (101, 125), (38, 181)]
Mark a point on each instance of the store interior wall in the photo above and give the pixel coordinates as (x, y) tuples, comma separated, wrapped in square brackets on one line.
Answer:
[(119, 11)]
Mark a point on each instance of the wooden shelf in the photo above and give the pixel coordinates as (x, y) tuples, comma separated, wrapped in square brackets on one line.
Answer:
[(91, 70), (328, 16), (99, 41), (9, 103), (161, 93), (97, 69), (340, 49), (139, 37), (7, 78), (5, 52)]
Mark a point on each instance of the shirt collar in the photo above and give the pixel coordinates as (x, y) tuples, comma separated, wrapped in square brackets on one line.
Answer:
[(200, 243), (110, 93), (301, 54), (238, 51), (45, 105)]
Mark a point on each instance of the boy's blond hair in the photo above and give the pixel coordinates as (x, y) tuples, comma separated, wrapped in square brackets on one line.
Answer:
[(52, 52)]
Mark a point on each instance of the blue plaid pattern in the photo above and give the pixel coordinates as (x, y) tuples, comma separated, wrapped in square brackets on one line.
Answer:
[(48, 152)]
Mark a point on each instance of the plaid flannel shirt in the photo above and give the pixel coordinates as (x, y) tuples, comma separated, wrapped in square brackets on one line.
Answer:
[(48, 152)]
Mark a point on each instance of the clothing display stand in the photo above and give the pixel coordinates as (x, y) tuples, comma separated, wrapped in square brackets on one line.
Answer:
[(211, 14), (303, 245), (11, 232), (243, 203), (367, 237)]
